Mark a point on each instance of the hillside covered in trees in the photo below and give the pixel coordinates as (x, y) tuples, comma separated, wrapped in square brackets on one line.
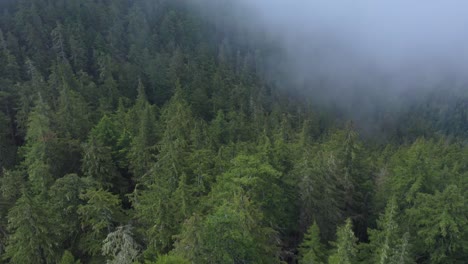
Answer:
[(142, 132)]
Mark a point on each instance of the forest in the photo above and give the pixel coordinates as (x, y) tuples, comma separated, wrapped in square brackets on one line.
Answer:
[(143, 132)]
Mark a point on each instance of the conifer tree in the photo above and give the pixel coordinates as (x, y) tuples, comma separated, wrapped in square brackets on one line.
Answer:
[(120, 247), (311, 249), (142, 147), (439, 221), (161, 183), (33, 237), (68, 258), (388, 244), (232, 233), (146, 111), (39, 147), (98, 163), (345, 251), (99, 216)]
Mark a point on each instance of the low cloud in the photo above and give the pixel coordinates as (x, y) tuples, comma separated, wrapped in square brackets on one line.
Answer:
[(361, 53)]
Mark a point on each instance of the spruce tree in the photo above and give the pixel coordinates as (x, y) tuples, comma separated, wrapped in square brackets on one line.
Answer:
[(311, 249), (345, 250)]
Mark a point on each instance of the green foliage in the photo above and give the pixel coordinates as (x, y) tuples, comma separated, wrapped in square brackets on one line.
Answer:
[(99, 215), (424, 167), (67, 258), (11, 184), (73, 113), (345, 251), (169, 259), (311, 249), (40, 141), (64, 197), (259, 180), (232, 233), (333, 182), (98, 163), (166, 184), (388, 244), (32, 236), (145, 113), (142, 147), (120, 247), (440, 222)]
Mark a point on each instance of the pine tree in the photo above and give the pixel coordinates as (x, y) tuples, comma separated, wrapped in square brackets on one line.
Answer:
[(261, 182), (98, 163), (320, 198), (73, 116), (387, 243), (30, 93), (39, 147), (334, 183), (78, 48), (120, 247), (154, 211), (440, 221), (109, 92), (99, 152), (161, 183), (99, 216), (218, 130), (68, 258), (142, 148), (33, 237), (311, 249), (419, 168), (64, 197), (59, 44), (232, 233), (345, 251)]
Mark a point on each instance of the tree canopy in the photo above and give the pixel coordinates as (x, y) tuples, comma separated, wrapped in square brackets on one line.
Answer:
[(142, 132)]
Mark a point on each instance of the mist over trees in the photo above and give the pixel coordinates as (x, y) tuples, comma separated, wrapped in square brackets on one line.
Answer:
[(157, 131), (367, 59)]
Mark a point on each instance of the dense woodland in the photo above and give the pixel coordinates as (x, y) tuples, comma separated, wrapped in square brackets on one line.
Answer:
[(142, 132)]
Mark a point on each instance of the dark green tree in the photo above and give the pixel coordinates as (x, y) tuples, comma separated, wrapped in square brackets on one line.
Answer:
[(40, 142), (311, 249), (439, 222), (345, 249), (33, 236), (99, 215), (388, 244)]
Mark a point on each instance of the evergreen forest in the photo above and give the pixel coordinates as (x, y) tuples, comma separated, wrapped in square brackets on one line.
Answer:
[(143, 132)]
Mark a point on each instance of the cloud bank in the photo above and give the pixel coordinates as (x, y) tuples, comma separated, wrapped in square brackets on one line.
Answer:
[(362, 52)]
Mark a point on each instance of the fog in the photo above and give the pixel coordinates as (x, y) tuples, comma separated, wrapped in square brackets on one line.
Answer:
[(360, 54), (386, 35)]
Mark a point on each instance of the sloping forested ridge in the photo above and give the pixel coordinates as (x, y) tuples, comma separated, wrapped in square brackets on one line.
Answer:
[(139, 132)]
